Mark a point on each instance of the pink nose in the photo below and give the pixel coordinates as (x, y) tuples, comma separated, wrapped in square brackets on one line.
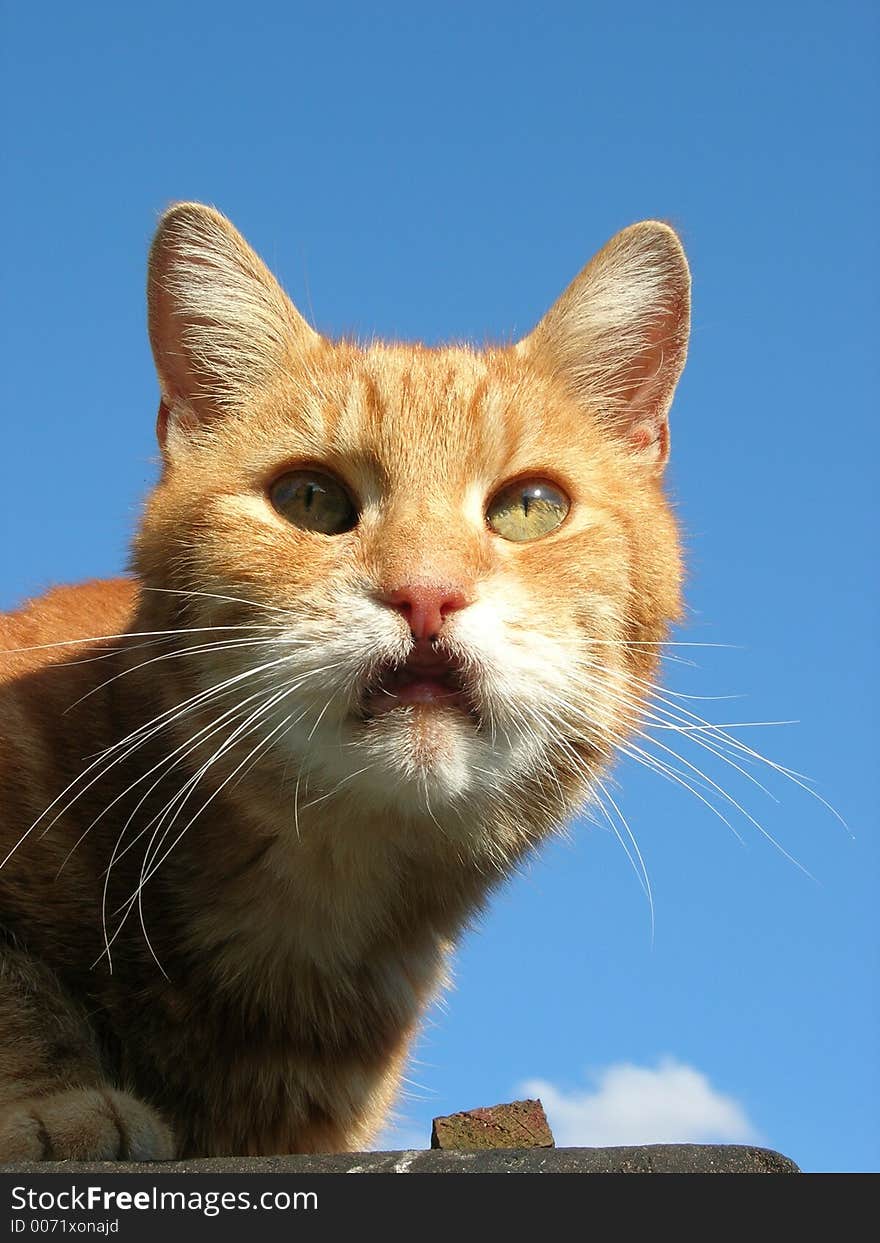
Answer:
[(425, 608)]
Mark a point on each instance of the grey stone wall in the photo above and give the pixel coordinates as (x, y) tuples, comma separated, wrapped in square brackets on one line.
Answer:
[(645, 1159)]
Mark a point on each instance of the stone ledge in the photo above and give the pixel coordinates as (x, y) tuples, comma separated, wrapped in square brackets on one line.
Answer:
[(645, 1159)]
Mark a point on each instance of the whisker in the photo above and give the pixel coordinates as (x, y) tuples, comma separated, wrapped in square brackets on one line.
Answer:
[(643, 878), (671, 773), (149, 868), (214, 595), (117, 854), (140, 735), (146, 875), (735, 744), (132, 634), (348, 777), (638, 704), (213, 727), (221, 645), (151, 864), (185, 748), (179, 798)]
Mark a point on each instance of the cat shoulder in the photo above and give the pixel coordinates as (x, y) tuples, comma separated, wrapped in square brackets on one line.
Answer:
[(44, 629)]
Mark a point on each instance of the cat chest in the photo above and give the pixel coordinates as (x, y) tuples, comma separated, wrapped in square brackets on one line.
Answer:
[(285, 1071), (264, 1030)]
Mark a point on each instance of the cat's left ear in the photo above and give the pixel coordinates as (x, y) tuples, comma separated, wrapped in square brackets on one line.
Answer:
[(221, 326), (618, 336)]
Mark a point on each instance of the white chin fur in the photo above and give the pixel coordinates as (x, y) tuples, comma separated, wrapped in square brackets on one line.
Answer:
[(413, 761), (408, 759)]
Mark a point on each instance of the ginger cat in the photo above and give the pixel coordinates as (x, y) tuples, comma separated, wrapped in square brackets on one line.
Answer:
[(390, 613)]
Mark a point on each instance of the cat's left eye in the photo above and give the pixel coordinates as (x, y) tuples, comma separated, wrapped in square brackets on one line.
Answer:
[(527, 510), (314, 500)]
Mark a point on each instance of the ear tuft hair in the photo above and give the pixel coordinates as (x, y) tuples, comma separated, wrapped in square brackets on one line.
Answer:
[(618, 334), (220, 324)]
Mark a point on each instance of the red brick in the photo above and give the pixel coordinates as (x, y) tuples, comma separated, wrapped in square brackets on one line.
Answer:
[(521, 1124)]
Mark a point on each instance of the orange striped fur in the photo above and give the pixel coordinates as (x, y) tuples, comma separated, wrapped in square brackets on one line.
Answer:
[(247, 801)]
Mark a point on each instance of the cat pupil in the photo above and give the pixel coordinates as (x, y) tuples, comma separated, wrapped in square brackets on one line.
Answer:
[(310, 494)]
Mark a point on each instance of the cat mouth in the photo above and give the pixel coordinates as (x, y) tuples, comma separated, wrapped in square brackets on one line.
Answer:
[(423, 681)]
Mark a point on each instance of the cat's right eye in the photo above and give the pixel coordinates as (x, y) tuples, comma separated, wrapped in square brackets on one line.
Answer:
[(314, 500)]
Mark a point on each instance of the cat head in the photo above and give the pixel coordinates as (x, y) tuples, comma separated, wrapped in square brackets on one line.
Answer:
[(451, 568)]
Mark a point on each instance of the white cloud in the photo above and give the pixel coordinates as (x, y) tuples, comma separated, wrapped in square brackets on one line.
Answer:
[(627, 1104)]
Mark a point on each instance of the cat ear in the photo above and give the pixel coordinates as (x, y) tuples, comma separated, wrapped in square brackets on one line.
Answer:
[(220, 324), (618, 335)]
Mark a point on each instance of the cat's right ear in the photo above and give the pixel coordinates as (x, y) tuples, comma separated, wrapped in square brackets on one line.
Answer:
[(220, 324), (617, 337)]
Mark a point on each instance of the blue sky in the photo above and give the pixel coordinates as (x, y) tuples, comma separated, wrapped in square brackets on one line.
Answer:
[(441, 172)]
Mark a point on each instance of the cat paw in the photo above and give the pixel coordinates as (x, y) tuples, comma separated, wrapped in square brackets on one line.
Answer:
[(83, 1124)]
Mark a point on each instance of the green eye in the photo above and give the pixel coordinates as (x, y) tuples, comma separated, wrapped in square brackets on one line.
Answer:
[(314, 501), (527, 509)]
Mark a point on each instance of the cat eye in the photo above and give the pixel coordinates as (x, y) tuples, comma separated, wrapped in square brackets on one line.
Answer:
[(527, 510), (315, 501)]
